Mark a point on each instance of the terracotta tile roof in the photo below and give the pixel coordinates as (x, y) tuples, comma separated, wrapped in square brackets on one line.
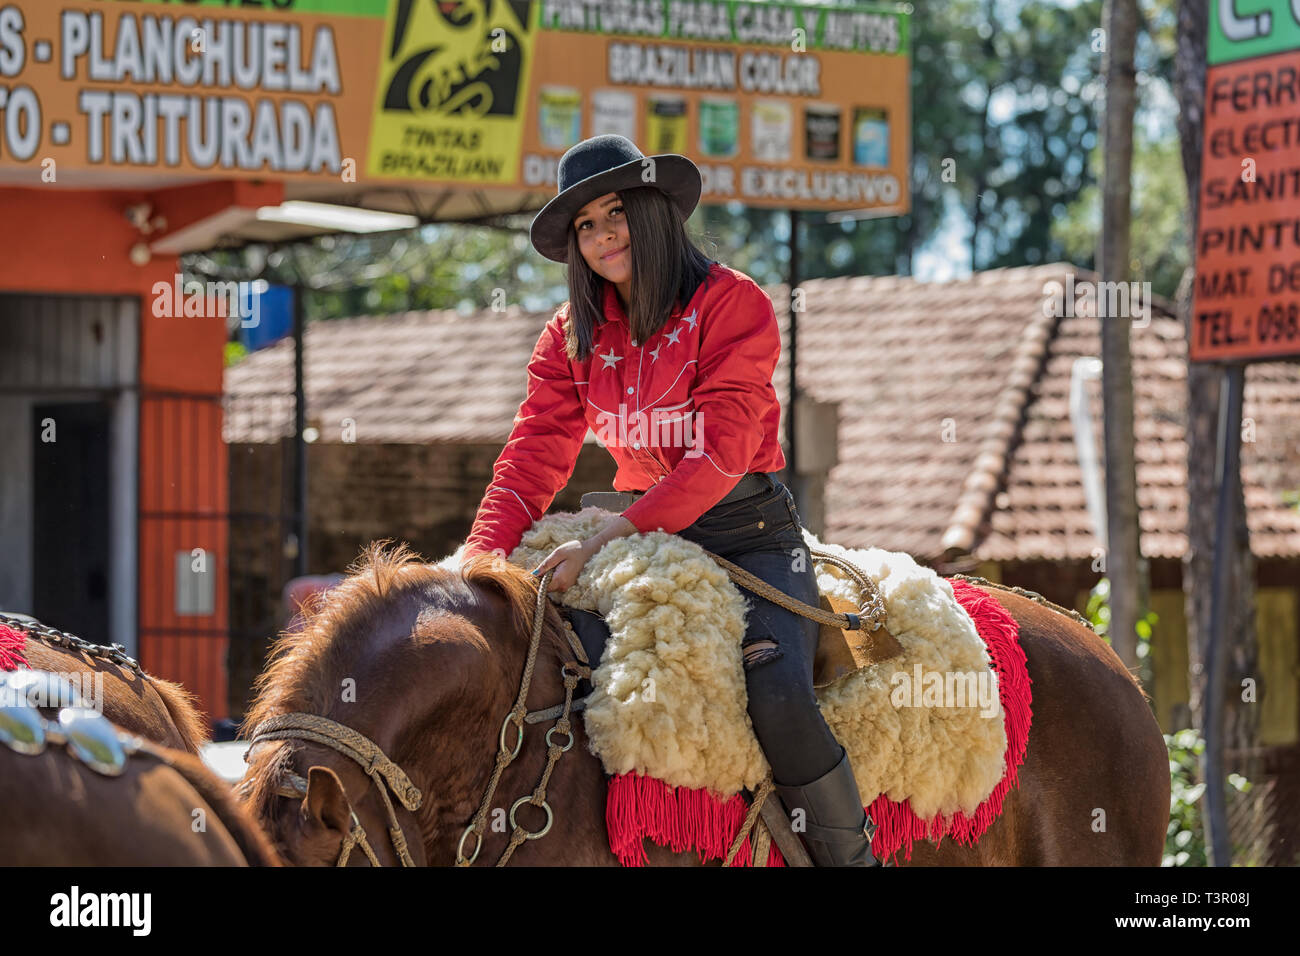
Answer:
[(955, 430), (931, 379), (954, 426), (412, 377)]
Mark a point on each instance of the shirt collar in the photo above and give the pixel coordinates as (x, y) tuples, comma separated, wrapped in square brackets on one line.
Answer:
[(613, 306)]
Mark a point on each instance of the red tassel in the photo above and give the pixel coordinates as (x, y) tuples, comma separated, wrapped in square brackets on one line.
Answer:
[(681, 818), (12, 643)]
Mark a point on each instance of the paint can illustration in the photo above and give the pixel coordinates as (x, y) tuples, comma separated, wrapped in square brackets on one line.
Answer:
[(770, 130), (870, 137), (719, 127), (559, 116), (821, 132), (613, 111), (666, 125)]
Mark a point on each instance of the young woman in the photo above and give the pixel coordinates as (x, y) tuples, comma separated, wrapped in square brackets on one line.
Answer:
[(668, 358)]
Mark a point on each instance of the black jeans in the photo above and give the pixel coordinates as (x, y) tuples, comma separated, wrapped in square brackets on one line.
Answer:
[(761, 534)]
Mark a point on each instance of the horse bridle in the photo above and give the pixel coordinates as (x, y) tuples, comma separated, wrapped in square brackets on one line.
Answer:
[(386, 775), (383, 773)]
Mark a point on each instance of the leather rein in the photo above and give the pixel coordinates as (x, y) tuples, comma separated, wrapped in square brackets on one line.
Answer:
[(386, 775)]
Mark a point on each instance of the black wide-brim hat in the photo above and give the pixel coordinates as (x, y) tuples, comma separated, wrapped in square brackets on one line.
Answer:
[(605, 164)]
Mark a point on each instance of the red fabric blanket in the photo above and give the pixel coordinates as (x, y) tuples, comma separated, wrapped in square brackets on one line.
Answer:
[(640, 807)]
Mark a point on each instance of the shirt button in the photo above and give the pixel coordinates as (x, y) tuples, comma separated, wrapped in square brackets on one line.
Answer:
[(636, 444), (634, 343), (629, 389)]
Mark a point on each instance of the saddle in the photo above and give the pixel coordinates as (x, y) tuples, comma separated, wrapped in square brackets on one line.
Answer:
[(840, 652)]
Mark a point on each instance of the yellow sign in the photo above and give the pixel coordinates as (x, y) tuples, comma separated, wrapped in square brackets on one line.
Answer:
[(451, 88)]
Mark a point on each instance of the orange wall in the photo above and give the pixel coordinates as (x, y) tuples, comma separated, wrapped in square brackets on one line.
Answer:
[(77, 241)]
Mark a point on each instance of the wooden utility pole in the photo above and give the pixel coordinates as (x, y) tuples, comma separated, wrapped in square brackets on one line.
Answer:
[(1122, 551)]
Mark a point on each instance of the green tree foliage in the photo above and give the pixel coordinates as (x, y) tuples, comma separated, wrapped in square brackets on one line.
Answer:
[(1161, 242), (1004, 139), (1160, 236)]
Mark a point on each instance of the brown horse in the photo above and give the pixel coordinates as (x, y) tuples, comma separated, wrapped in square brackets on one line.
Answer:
[(59, 812), (136, 701), (433, 659)]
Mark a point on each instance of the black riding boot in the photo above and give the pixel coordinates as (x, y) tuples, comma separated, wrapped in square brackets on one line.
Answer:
[(835, 824)]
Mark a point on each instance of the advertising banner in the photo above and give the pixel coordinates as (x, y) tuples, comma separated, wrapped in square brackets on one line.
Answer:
[(780, 104), (1247, 294)]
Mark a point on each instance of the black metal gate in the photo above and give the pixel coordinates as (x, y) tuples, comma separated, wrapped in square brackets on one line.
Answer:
[(258, 430)]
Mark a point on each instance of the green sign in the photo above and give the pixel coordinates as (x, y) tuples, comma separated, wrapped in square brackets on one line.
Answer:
[(864, 28), (1241, 29)]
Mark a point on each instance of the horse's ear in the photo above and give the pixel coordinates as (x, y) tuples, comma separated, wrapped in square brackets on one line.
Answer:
[(325, 803)]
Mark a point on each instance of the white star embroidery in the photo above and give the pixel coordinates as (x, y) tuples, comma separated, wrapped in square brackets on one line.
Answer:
[(610, 358), (690, 321), (672, 336), (654, 354)]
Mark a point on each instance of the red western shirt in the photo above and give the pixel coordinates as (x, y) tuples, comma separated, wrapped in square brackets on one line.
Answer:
[(686, 414)]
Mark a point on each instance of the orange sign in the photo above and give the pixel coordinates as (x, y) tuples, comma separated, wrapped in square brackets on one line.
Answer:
[(1247, 295), (780, 103)]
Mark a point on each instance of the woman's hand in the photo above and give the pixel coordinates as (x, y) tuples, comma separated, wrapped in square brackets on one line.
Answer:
[(567, 560)]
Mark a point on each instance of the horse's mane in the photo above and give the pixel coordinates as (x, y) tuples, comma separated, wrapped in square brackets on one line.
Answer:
[(182, 706), (337, 625)]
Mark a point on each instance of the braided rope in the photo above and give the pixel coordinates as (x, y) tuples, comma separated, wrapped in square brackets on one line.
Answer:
[(346, 741), (763, 792), (872, 607), (1031, 595), (383, 773)]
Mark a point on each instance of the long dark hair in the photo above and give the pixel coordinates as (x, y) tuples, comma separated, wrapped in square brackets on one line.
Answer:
[(667, 268)]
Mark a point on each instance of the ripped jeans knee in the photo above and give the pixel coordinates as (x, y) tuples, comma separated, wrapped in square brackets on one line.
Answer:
[(761, 650)]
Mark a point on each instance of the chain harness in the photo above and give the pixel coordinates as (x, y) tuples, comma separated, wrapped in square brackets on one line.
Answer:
[(113, 653)]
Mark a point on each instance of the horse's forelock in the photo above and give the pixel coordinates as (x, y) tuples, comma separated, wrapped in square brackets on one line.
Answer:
[(519, 591)]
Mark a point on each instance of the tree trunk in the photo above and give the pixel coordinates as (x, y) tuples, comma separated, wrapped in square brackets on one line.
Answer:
[(1122, 553)]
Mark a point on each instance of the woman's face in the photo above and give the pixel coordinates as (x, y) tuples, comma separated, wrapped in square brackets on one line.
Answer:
[(604, 240)]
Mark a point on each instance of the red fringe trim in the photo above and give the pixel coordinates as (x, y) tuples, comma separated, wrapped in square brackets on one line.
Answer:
[(681, 818), (11, 648)]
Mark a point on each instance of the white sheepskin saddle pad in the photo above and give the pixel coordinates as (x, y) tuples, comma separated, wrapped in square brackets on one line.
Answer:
[(670, 697)]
